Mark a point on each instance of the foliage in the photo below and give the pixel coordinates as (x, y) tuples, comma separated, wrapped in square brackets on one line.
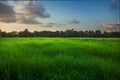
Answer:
[(67, 33)]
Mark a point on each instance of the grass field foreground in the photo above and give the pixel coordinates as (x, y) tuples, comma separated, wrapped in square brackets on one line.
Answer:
[(59, 58)]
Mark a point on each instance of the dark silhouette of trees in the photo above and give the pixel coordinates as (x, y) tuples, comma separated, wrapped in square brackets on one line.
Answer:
[(12, 34), (3, 34), (98, 33), (91, 33), (25, 33), (106, 34), (0, 33), (67, 33)]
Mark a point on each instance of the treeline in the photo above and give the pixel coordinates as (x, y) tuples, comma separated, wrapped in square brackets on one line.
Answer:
[(67, 33)]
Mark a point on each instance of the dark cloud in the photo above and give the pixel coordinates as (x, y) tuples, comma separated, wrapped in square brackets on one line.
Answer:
[(26, 13), (29, 11), (27, 20), (74, 22), (34, 9), (7, 20), (62, 24), (7, 14)]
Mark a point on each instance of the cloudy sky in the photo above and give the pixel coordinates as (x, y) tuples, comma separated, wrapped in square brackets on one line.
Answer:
[(53, 15)]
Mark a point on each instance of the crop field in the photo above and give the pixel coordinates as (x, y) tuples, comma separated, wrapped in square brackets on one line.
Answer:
[(59, 58)]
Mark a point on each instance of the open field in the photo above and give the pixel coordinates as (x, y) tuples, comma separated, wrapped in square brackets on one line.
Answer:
[(59, 59)]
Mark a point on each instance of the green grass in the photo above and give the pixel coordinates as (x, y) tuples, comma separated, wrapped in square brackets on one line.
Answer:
[(59, 59)]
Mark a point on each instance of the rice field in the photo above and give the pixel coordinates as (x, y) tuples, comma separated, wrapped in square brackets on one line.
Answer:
[(59, 58)]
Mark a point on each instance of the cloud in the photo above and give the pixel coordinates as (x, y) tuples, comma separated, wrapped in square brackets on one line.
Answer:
[(111, 27), (62, 24), (74, 22), (26, 13), (7, 14), (27, 20), (114, 4), (33, 9), (50, 24)]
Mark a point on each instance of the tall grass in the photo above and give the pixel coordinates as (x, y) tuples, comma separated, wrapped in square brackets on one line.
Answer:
[(59, 59)]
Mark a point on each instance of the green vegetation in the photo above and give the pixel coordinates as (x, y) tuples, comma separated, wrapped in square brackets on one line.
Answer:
[(59, 59)]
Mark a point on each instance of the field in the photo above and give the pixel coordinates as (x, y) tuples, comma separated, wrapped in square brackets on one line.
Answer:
[(59, 59)]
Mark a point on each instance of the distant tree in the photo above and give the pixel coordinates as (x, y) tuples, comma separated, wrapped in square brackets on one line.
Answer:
[(114, 34), (86, 33), (0, 33), (91, 33), (81, 34), (25, 33), (67, 33), (4, 34), (62, 34), (98, 33), (75, 34), (105, 34), (36, 34), (56, 34), (12, 34)]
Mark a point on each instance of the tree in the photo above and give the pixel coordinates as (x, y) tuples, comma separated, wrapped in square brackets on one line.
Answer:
[(12, 34), (67, 33), (105, 34), (0, 33), (4, 34), (98, 33), (91, 33), (25, 33)]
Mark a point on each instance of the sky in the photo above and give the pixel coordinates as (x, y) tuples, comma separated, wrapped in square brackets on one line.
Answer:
[(60, 15)]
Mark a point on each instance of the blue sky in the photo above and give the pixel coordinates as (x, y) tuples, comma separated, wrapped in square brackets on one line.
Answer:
[(90, 14), (87, 12)]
